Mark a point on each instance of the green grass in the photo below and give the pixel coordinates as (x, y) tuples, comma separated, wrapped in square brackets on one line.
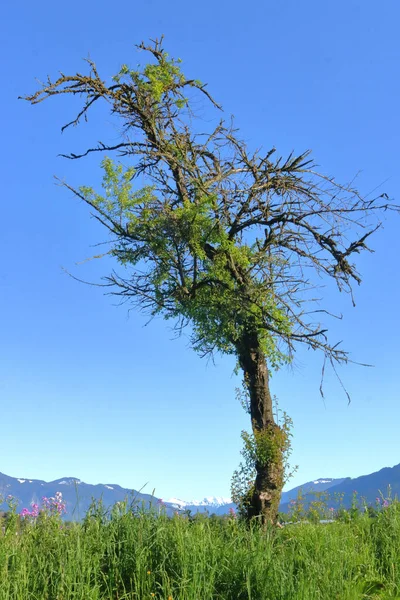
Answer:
[(146, 556)]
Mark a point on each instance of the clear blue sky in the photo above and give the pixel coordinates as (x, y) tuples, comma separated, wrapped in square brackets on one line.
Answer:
[(87, 391)]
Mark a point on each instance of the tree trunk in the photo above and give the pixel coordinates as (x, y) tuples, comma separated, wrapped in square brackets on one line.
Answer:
[(268, 435)]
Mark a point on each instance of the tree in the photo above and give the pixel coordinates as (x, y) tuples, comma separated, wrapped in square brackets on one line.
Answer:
[(220, 238)]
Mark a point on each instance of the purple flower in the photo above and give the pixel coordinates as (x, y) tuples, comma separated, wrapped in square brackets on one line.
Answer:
[(30, 513), (61, 508), (54, 505)]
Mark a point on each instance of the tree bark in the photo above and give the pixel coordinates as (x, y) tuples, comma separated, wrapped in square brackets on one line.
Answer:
[(269, 468)]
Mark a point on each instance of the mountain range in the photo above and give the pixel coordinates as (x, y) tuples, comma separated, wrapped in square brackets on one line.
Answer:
[(340, 492), (78, 495)]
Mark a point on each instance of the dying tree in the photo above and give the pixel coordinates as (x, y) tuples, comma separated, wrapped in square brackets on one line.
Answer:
[(224, 239)]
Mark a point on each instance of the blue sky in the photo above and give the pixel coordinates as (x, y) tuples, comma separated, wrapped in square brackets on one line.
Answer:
[(89, 391)]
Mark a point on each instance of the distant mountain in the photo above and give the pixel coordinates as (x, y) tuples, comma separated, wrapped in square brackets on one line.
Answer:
[(319, 485), (210, 504), (368, 488), (222, 506), (77, 494)]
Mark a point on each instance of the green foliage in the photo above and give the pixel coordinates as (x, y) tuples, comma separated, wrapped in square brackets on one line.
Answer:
[(166, 238), (144, 555), (155, 80), (314, 509), (260, 448), (165, 241)]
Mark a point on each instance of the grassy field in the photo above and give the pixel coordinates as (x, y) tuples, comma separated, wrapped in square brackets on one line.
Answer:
[(143, 556)]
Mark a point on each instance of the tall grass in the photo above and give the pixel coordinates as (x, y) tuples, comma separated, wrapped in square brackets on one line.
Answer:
[(146, 555)]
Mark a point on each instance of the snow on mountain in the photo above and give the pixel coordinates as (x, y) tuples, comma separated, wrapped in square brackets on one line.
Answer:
[(216, 505), (317, 481), (207, 501), (215, 500), (66, 481)]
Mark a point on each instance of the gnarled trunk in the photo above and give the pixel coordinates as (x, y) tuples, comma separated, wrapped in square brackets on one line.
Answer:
[(268, 435)]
